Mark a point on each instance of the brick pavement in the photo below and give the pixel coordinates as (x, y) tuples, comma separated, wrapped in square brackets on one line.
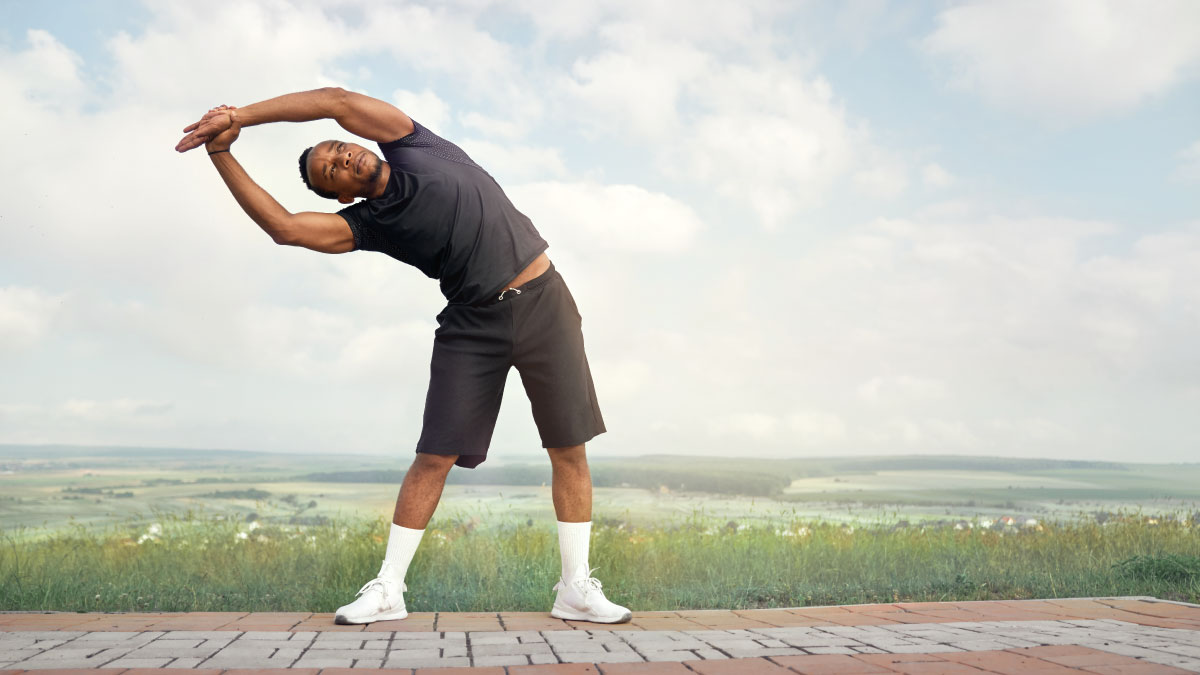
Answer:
[(1077, 635)]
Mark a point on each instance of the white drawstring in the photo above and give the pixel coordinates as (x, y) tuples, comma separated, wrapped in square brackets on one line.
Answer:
[(507, 290)]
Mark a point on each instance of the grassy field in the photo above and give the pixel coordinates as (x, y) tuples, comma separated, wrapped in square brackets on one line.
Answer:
[(103, 529), (211, 563)]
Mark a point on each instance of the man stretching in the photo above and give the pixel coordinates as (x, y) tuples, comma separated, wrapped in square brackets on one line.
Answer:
[(429, 205)]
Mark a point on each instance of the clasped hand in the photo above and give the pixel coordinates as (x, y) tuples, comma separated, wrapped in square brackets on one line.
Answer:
[(217, 130)]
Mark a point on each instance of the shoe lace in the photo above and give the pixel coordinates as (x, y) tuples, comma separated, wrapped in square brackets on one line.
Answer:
[(378, 583), (381, 582), (589, 584)]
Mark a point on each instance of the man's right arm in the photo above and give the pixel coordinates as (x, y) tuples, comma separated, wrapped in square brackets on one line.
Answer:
[(324, 232)]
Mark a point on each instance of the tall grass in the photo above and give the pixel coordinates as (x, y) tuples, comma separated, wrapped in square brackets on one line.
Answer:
[(205, 563)]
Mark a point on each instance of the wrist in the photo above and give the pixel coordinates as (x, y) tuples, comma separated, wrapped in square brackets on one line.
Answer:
[(213, 152)]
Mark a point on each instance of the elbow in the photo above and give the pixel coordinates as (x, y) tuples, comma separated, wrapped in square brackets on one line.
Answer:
[(284, 239), (282, 234), (335, 99)]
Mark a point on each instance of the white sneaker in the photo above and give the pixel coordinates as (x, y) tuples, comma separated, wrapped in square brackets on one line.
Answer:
[(582, 600), (382, 599)]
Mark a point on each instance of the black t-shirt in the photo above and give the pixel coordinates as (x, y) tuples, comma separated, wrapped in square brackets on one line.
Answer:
[(442, 213)]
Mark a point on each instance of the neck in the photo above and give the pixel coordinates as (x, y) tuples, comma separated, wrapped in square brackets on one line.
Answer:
[(380, 185)]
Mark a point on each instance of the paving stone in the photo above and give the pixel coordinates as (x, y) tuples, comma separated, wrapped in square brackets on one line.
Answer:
[(9, 643), (710, 654), (185, 662), (931, 648), (360, 644), (233, 657), (418, 635), (830, 650), (673, 655), (327, 659), (130, 662), (119, 636), (215, 635), (1184, 650), (784, 633), (979, 645), (152, 651), (492, 638), (542, 659), (278, 635), (46, 634), (600, 657), (65, 657), (510, 649), (667, 645), (406, 659), (501, 660)]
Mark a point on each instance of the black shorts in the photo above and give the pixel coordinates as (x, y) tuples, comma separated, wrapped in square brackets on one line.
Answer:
[(537, 330)]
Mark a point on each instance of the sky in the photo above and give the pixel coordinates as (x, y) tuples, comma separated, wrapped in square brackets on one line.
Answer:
[(792, 228)]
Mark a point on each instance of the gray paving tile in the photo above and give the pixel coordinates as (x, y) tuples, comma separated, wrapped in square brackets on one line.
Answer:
[(409, 660), (501, 660), (600, 657), (510, 649)]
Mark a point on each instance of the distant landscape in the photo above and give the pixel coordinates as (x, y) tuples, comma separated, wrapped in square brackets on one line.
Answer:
[(43, 488), (124, 529)]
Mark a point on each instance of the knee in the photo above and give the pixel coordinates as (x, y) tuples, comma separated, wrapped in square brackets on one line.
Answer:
[(426, 461), (573, 455)]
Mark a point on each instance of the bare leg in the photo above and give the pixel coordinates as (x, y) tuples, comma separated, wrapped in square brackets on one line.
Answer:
[(572, 484), (422, 490)]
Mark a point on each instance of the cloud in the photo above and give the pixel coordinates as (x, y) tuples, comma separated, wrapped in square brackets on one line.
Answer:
[(934, 176), (624, 218), (102, 411), (515, 163), (755, 425), (426, 107), (1187, 170), (26, 317), (1076, 59)]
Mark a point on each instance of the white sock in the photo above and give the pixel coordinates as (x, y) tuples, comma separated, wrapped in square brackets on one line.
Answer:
[(402, 544), (573, 541)]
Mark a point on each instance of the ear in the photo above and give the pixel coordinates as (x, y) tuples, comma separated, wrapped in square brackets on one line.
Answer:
[(345, 200)]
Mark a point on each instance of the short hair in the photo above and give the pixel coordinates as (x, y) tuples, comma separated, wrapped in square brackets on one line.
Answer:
[(304, 174)]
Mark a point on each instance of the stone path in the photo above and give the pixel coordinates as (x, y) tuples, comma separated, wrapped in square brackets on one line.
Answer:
[(1085, 635)]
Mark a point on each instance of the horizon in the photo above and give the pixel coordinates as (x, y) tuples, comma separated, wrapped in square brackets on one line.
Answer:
[(501, 458)]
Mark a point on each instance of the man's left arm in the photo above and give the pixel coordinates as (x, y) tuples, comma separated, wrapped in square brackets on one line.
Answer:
[(361, 115)]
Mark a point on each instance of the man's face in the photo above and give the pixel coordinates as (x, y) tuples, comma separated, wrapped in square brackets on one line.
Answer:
[(346, 169)]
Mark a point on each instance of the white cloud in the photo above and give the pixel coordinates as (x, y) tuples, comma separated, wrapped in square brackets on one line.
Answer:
[(934, 176), (26, 316), (756, 425), (816, 428), (1071, 59), (1187, 169), (103, 411), (612, 217), (515, 163), (492, 127), (47, 72), (899, 387), (425, 107)]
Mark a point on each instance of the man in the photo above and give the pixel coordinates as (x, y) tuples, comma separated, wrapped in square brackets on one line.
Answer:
[(429, 205)]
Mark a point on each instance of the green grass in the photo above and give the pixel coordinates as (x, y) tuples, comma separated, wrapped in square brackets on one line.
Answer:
[(200, 562)]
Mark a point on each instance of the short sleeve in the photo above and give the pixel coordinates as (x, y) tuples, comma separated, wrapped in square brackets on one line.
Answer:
[(357, 216)]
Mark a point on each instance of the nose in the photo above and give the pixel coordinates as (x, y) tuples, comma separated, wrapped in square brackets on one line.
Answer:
[(347, 160)]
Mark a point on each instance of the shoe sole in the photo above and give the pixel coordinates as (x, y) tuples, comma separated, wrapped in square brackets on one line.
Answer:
[(572, 615), (386, 616)]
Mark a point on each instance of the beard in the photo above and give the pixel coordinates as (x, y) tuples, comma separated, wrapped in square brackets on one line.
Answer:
[(376, 172)]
